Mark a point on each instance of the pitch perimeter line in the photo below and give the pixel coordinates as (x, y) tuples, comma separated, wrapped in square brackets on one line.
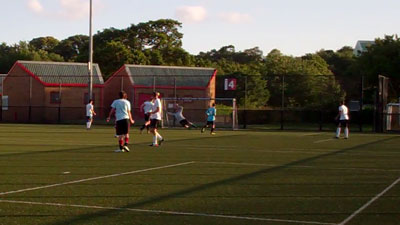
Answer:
[(93, 178), (325, 140), (369, 202), (167, 212)]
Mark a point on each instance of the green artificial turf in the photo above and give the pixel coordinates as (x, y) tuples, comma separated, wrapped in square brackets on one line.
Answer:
[(61, 174)]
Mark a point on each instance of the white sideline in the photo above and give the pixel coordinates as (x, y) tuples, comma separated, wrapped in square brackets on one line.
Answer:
[(325, 140), (167, 212), (369, 203), (93, 178)]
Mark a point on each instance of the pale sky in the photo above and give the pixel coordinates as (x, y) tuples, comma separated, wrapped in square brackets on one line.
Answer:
[(295, 27)]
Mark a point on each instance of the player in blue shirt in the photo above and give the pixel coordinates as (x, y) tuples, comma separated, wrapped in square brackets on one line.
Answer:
[(211, 113)]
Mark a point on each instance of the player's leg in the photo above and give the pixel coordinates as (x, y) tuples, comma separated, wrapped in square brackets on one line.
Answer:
[(126, 136), (88, 122), (153, 130), (204, 128), (212, 128), (338, 129), (346, 130)]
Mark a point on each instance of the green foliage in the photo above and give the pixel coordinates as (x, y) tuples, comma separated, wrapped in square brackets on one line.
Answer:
[(306, 81), (313, 80), (382, 58)]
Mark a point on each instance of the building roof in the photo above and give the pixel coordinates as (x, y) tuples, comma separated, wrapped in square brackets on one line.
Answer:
[(168, 76), (65, 73), (362, 46)]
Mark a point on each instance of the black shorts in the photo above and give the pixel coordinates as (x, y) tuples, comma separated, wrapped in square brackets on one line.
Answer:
[(147, 117), (210, 123), (154, 123), (343, 123), (88, 118), (184, 122), (122, 127)]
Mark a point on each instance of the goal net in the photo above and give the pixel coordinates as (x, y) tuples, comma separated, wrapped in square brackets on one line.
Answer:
[(194, 110)]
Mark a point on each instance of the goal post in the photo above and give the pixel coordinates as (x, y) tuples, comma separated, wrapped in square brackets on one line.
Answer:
[(194, 110)]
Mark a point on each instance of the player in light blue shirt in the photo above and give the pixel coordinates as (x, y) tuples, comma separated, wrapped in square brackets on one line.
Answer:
[(211, 113)]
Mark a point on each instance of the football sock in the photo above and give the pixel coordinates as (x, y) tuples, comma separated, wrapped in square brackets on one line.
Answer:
[(338, 132), (346, 132), (87, 125), (154, 140), (159, 137), (126, 140), (121, 144), (212, 130)]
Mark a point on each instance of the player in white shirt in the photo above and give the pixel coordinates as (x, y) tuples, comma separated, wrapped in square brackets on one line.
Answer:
[(155, 120), (146, 108), (343, 117), (178, 114), (122, 109), (89, 114)]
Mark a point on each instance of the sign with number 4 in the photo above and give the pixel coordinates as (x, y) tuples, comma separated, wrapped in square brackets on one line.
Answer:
[(230, 84)]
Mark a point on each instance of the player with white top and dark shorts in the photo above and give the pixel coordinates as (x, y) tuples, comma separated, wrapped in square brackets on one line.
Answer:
[(155, 120), (180, 118), (122, 109), (344, 118), (146, 108), (89, 114)]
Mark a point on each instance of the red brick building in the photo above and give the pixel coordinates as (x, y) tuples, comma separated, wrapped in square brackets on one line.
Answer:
[(49, 91), (182, 82)]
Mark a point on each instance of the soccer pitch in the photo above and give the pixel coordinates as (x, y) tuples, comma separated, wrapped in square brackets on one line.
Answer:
[(63, 174)]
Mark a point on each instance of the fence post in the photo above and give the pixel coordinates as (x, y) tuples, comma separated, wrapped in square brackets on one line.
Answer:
[(30, 100), (283, 101), (59, 100), (245, 105), (361, 103)]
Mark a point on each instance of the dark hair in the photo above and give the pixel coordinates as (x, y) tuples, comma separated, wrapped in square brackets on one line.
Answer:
[(213, 104), (122, 94), (90, 100), (156, 94)]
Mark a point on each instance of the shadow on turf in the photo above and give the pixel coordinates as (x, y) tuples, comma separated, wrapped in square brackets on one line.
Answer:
[(87, 217), (80, 150)]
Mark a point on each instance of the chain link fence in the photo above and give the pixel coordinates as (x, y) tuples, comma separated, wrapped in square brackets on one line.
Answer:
[(285, 102)]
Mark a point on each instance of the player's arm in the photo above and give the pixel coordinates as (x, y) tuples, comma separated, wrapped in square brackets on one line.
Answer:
[(110, 114), (141, 107), (156, 111), (130, 117), (94, 113)]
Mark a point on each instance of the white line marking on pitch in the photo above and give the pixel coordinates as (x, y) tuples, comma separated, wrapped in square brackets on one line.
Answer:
[(325, 140), (369, 202), (93, 178), (167, 212)]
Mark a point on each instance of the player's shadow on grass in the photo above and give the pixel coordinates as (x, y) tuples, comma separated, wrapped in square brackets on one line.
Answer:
[(87, 217)]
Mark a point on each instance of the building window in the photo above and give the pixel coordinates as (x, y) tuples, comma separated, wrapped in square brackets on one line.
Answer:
[(55, 97), (86, 98)]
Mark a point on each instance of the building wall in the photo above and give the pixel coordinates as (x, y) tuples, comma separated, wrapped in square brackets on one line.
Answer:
[(116, 83), (29, 100)]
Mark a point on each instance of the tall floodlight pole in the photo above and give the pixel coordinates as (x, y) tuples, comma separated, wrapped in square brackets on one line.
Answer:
[(90, 64)]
